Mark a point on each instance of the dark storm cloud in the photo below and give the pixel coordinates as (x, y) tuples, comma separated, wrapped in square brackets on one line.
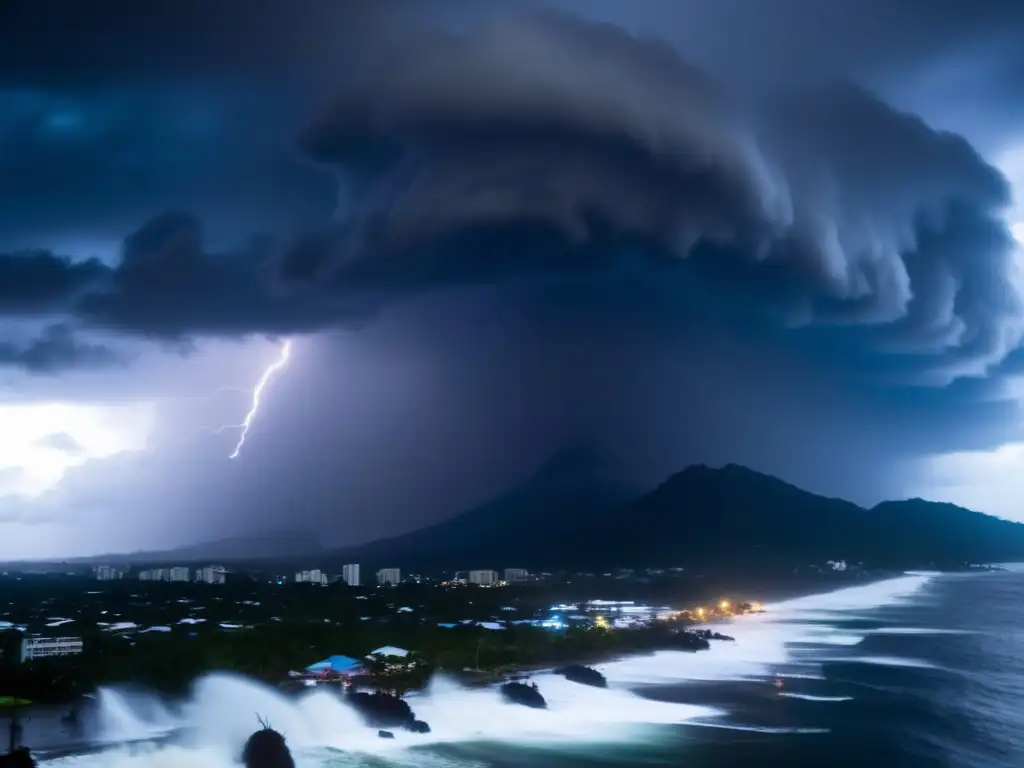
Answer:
[(58, 349), (545, 144), (38, 282), (565, 142)]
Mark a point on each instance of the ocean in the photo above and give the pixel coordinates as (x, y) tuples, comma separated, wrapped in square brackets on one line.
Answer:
[(920, 670)]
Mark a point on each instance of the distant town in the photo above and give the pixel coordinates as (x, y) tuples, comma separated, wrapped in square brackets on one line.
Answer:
[(138, 605)]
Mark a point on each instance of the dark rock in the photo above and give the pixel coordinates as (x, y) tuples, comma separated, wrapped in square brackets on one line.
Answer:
[(707, 634), (19, 758), (386, 734), (418, 726), (266, 748), (521, 693), (384, 710), (688, 640), (577, 673)]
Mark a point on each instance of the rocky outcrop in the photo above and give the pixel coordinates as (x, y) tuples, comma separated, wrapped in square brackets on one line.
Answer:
[(384, 710), (266, 748), (524, 694), (578, 673), (385, 734), (707, 634), (418, 726), (686, 640)]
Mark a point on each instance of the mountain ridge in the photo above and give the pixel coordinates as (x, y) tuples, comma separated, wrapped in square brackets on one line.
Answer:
[(573, 512)]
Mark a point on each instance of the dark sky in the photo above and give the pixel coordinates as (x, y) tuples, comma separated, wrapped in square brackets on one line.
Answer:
[(773, 232)]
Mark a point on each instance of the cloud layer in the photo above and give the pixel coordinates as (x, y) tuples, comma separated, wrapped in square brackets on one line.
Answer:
[(565, 145), (733, 243)]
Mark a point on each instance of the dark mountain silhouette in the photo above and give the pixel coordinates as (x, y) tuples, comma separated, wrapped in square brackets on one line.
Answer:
[(279, 545), (569, 515), (549, 512), (573, 513)]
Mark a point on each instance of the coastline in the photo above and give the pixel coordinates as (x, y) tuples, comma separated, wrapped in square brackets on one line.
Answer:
[(623, 677), (779, 597)]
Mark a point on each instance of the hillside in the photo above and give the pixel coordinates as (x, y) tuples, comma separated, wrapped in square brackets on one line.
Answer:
[(548, 513), (282, 545), (728, 516)]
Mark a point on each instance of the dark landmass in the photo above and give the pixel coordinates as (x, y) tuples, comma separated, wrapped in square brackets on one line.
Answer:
[(385, 710), (729, 518), (558, 502), (578, 673), (524, 694)]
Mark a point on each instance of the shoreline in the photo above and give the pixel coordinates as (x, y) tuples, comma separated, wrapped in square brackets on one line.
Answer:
[(48, 749), (781, 595)]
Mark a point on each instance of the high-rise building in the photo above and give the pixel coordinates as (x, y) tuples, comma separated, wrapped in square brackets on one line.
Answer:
[(107, 573), (179, 573), (483, 578), (154, 574), (212, 574), (389, 576), (516, 574), (350, 574), (315, 576)]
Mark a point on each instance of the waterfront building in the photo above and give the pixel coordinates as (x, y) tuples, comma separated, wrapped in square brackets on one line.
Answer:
[(389, 576), (483, 578), (350, 574)]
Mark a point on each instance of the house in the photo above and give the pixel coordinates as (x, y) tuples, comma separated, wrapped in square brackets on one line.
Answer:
[(388, 650), (393, 659), (336, 665)]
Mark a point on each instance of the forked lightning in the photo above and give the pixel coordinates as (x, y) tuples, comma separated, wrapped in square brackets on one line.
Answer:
[(281, 362)]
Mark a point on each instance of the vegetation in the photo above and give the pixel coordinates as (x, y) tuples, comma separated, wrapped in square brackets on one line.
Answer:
[(265, 630)]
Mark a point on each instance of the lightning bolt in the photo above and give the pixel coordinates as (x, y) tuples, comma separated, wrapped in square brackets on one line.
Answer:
[(257, 393)]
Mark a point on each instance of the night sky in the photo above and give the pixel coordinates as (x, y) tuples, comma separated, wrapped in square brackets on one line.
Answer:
[(772, 232)]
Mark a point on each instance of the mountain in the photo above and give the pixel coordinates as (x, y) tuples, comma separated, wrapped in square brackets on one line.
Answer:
[(569, 515), (280, 545), (547, 512)]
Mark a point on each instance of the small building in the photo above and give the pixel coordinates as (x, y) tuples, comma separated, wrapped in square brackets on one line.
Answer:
[(389, 576), (336, 666), (45, 647)]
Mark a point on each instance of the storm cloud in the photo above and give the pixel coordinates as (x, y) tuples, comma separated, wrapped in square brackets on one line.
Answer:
[(568, 144), (691, 232)]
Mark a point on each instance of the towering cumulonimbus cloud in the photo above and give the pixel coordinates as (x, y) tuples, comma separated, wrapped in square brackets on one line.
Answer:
[(546, 143), (542, 144)]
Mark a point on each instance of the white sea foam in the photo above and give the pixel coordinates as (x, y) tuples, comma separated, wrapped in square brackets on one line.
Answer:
[(323, 730), (809, 697)]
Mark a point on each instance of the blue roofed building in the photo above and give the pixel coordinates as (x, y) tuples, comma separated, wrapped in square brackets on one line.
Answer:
[(337, 665)]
